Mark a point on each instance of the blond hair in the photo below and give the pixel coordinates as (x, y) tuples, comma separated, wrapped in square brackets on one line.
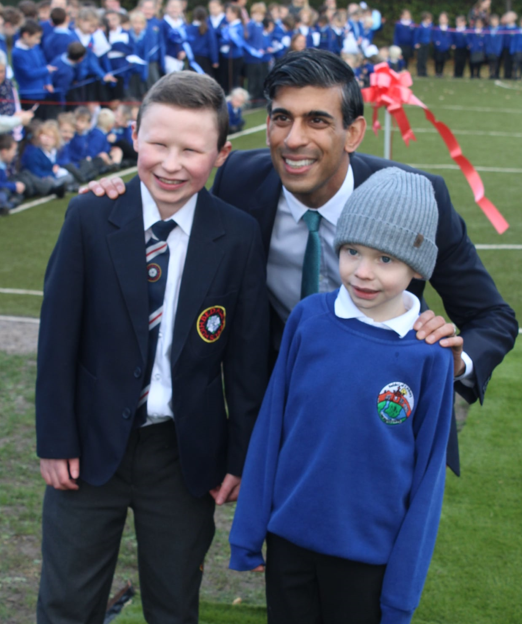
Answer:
[(105, 119), (49, 127)]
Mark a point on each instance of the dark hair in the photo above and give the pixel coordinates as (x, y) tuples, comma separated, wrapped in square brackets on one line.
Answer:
[(200, 15), (6, 141), (82, 111), (76, 51), (58, 16), (289, 22), (267, 22), (186, 89), (317, 68), (12, 15), (29, 9), (235, 8), (30, 27), (425, 15)]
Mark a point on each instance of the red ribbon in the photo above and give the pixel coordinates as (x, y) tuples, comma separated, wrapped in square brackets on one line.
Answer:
[(390, 89)]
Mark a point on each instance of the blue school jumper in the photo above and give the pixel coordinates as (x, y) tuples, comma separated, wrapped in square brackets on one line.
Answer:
[(91, 66), (36, 161), (64, 156), (203, 45), (30, 70), (255, 40), (123, 134), (327, 39), (476, 42), (357, 29), (281, 40), (3, 44), (493, 42), (47, 28), (170, 41), (64, 76), (97, 143), (141, 48), (308, 32), (154, 37), (79, 148), (233, 40), (442, 39), (57, 42), (217, 25), (423, 34), (121, 47), (348, 454), (234, 116), (404, 34), (5, 183), (516, 42), (459, 39), (508, 36)]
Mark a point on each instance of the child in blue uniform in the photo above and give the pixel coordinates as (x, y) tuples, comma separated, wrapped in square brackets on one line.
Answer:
[(57, 41), (476, 45), (441, 37), (493, 42), (67, 72), (404, 35), (460, 46), (516, 52), (345, 471), (422, 40)]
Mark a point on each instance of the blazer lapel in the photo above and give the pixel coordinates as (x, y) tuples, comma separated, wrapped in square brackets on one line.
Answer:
[(361, 170), (204, 255), (127, 250), (262, 205)]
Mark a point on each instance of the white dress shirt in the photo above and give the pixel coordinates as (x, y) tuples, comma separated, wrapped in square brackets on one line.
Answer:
[(159, 402), (287, 250)]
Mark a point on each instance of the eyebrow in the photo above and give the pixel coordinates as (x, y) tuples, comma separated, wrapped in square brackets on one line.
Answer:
[(313, 113)]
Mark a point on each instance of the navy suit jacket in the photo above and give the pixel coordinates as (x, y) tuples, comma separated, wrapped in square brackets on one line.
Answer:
[(249, 181), (94, 332)]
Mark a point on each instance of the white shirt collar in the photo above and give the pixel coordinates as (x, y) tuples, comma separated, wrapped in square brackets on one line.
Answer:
[(346, 308), (331, 211), (184, 217), (21, 45)]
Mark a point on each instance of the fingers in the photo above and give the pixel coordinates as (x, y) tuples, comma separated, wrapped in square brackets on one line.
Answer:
[(454, 342), (55, 473), (260, 568), (228, 491), (113, 187), (433, 328)]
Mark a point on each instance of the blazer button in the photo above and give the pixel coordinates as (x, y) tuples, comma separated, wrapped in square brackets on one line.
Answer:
[(126, 413), (137, 372)]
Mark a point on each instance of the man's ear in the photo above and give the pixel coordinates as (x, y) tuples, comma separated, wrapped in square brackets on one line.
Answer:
[(355, 134), (267, 129), (223, 154)]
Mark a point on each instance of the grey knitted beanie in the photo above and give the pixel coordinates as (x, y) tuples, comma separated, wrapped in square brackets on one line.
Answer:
[(394, 211)]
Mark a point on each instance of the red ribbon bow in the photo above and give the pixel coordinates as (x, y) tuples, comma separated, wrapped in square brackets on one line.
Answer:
[(390, 89)]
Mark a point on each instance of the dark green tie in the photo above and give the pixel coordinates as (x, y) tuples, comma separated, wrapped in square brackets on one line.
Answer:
[(312, 258)]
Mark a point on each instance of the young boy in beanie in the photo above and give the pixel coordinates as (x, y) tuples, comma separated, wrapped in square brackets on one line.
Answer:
[(344, 476)]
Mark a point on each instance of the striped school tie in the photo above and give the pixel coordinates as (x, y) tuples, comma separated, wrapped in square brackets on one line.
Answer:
[(312, 258), (157, 258)]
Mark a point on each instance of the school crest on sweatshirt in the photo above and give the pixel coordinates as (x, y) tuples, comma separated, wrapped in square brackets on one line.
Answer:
[(395, 403)]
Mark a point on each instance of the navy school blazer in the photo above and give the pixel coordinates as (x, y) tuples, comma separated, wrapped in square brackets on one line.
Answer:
[(94, 333), (249, 181)]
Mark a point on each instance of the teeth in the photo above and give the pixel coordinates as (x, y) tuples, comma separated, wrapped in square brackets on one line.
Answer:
[(296, 164), (173, 182)]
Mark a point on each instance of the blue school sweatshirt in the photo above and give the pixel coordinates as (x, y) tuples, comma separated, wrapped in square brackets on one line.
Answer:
[(476, 41), (233, 40), (348, 454), (509, 31), (459, 39), (30, 70), (141, 46), (79, 148), (442, 39), (404, 34), (36, 161), (203, 45), (154, 43), (493, 41), (422, 34), (516, 42), (65, 74), (57, 42), (255, 39), (97, 143)]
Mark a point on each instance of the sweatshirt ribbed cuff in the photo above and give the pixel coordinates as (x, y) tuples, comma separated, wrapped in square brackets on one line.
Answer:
[(244, 560), (389, 615)]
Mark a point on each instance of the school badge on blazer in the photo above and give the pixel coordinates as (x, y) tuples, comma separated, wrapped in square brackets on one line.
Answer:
[(211, 323)]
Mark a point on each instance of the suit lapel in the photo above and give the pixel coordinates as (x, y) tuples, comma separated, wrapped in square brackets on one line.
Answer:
[(262, 204), (361, 170), (204, 255), (127, 250)]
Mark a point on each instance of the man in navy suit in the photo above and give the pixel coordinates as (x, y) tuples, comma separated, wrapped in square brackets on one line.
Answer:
[(315, 124), (152, 364)]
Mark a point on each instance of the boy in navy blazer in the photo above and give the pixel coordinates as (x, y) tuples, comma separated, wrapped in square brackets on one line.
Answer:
[(146, 398)]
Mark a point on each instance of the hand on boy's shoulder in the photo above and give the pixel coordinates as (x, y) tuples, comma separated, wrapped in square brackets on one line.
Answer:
[(113, 187), (432, 329)]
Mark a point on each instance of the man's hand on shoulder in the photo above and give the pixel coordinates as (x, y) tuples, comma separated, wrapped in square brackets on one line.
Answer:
[(61, 474), (113, 187), (432, 328)]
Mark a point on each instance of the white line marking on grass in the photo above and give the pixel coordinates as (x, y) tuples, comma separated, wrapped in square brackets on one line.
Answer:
[(515, 135), (16, 291), (517, 247), (476, 109), (19, 319), (457, 168), (253, 130), (499, 83)]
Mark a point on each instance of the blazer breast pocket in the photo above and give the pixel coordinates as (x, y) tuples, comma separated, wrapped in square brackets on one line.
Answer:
[(209, 335)]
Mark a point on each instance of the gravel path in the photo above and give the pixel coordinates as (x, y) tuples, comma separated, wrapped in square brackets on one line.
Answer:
[(18, 336)]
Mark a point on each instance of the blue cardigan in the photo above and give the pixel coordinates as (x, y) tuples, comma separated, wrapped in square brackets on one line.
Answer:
[(203, 45), (348, 455), (35, 160)]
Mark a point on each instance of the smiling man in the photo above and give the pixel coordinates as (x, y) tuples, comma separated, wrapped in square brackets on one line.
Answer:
[(297, 189)]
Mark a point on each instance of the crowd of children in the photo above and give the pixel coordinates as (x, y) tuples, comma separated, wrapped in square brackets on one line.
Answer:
[(68, 57)]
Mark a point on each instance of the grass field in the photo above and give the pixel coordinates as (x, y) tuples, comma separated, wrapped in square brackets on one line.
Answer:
[(475, 575)]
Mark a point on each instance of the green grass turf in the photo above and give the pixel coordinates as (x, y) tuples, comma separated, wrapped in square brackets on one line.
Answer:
[(475, 574)]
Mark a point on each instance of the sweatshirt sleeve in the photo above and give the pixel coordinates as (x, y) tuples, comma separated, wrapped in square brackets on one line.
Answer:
[(411, 554), (255, 498)]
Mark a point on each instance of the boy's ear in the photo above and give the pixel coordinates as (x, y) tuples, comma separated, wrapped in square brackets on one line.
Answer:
[(418, 276), (223, 154)]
